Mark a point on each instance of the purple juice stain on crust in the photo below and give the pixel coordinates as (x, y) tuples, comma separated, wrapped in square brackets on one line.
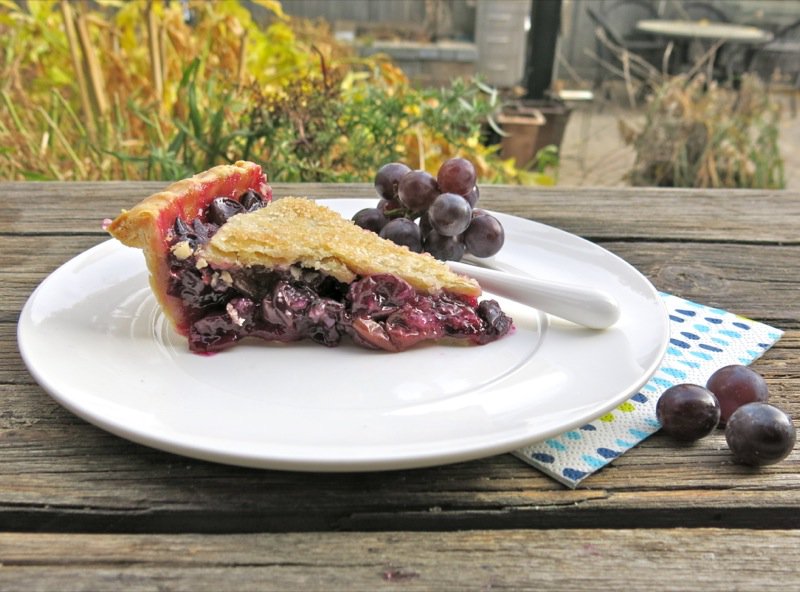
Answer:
[(378, 312)]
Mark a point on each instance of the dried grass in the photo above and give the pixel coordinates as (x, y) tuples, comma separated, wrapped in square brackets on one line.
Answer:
[(135, 89), (700, 134)]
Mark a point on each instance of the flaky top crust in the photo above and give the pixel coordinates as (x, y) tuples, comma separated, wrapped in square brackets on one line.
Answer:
[(289, 231), (297, 230)]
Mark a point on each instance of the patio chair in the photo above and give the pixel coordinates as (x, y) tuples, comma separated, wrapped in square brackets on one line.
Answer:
[(785, 43), (701, 11), (617, 21), (698, 11), (782, 54)]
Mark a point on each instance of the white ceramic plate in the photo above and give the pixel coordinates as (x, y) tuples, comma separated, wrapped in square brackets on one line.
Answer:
[(93, 336)]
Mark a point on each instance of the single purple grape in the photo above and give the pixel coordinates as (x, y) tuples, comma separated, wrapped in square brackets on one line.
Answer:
[(403, 231), (450, 214), (388, 178), (760, 434), (484, 236), (417, 190), (687, 412), (457, 175), (371, 219), (735, 386), (444, 248)]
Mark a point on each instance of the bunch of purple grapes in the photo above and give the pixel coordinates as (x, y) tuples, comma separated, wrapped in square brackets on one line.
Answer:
[(734, 398), (437, 214)]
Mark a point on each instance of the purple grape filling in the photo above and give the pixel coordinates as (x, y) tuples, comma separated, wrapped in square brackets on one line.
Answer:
[(380, 311)]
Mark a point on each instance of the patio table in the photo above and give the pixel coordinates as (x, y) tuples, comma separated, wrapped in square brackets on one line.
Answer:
[(81, 509), (701, 29), (685, 32)]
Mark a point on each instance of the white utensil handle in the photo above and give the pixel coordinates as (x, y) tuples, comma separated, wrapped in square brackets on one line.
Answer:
[(583, 305)]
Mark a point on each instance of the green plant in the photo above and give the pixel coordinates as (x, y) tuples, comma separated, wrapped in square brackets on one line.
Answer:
[(134, 90), (339, 130)]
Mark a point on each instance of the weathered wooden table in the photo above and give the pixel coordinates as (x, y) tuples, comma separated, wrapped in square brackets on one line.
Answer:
[(81, 509)]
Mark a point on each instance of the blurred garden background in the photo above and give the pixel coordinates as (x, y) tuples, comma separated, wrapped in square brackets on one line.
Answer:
[(328, 90)]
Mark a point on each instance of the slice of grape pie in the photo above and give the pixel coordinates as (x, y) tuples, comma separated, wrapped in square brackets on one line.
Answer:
[(226, 262)]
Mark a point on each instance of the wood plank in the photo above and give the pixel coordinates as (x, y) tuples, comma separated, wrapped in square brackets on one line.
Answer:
[(714, 560), (58, 473), (68, 208), (652, 214), (735, 277)]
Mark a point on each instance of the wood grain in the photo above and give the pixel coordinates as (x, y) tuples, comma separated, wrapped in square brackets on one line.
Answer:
[(649, 215), (713, 560), (81, 509), (732, 276)]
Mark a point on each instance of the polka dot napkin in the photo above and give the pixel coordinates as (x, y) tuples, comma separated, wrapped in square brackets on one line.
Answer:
[(702, 340)]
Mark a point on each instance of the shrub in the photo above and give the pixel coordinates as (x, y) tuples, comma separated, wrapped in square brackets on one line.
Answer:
[(139, 90), (699, 134)]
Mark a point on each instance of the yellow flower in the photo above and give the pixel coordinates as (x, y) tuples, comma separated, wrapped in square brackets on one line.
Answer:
[(509, 167)]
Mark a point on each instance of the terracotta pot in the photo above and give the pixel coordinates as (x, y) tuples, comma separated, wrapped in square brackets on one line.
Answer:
[(530, 127), (522, 127)]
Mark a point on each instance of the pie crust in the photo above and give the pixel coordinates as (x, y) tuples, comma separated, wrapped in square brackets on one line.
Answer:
[(148, 225), (218, 281)]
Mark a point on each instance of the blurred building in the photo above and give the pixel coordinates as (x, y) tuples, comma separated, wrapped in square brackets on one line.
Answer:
[(437, 40)]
